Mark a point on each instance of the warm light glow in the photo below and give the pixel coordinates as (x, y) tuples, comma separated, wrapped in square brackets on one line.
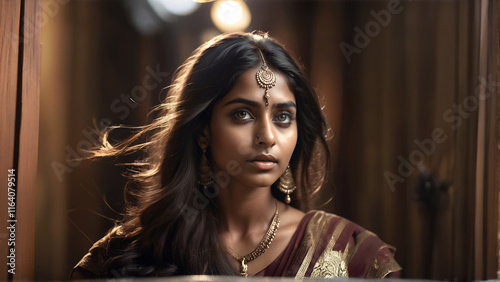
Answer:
[(230, 15), (229, 12), (175, 7)]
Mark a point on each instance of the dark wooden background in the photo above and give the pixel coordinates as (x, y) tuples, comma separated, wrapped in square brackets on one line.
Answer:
[(398, 89), (20, 64)]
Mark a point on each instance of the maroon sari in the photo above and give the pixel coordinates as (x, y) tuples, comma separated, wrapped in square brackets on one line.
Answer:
[(324, 245)]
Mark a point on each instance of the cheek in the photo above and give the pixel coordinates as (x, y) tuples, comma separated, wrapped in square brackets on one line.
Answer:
[(228, 144), (290, 140)]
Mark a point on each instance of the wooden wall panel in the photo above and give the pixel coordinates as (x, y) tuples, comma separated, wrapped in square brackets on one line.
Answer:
[(392, 93), (408, 81), (489, 61), (9, 27), (28, 141), (20, 86)]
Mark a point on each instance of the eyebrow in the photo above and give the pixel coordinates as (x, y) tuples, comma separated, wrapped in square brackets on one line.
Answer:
[(243, 101), (288, 104), (252, 103)]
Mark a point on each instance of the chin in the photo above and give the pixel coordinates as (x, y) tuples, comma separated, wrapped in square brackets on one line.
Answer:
[(255, 179), (253, 182)]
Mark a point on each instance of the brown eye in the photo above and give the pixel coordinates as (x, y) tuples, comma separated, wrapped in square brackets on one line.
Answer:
[(282, 118), (242, 115)]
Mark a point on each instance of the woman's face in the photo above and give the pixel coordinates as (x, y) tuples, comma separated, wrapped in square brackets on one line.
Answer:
[(252, 144)]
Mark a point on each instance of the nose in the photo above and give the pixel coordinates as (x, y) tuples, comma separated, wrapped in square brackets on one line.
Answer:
[(265, 135)]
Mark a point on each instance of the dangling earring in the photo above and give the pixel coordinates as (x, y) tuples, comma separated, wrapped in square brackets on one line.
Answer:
[(205, 175), (287, 184)]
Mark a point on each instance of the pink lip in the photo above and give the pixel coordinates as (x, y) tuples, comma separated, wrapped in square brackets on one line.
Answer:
[(264, 162), (264, 158), (263, 165)]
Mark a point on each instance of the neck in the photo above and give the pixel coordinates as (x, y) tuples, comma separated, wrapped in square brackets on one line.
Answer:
[(246, 209)]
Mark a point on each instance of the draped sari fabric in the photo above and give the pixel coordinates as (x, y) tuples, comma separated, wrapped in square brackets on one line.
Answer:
[(324, 245)]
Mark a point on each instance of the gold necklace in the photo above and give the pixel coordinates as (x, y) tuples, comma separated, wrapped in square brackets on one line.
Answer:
[(263, 245)]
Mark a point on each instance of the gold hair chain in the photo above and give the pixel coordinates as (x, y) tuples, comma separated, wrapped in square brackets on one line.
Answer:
[(265, 78)]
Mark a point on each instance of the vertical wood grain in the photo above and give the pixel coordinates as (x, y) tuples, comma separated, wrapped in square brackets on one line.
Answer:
[(28, 141), (19, 73), (9, 52), (480, 157), (491, 181)]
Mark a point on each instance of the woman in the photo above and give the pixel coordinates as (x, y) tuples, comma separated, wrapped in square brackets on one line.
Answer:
[(235, 156)]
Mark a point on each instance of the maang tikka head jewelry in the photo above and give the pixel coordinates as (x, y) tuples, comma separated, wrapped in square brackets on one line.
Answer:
[(265, 78)]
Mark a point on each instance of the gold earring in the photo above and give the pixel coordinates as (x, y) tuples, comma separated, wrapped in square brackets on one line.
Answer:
[(287, 184), (205, 175)]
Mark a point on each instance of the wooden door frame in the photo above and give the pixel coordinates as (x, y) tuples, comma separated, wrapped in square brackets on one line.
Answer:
[(19, 101), (486, 206)]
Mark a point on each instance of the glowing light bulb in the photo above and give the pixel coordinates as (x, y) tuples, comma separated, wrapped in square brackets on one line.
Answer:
[(174, 7), (230, 12), (230, 15)]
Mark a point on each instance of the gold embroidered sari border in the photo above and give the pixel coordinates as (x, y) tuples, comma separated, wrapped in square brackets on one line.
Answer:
[(336, 234), (332, 263), (381, 271), (315, 224), (358, 242), (315, 230)]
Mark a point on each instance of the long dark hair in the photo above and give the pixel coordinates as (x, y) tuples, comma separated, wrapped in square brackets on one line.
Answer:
[(171, 226)]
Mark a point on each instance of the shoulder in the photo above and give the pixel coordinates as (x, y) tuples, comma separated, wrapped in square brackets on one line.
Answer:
[(358, 252), (337, 227), (91, 265)]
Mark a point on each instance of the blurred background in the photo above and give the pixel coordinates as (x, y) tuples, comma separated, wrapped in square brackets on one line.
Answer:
[(415, 150)]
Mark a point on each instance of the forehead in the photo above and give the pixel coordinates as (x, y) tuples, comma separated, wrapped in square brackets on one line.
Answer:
[(246, 86)]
